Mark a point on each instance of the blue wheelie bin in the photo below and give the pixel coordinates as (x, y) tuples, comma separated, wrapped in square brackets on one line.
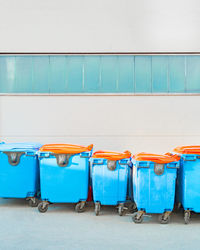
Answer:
[(19, 171), (64, 175), (188, 183), (109, 179), (154, 180)]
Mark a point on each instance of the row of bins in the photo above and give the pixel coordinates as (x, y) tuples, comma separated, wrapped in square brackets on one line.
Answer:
[(62, 173)]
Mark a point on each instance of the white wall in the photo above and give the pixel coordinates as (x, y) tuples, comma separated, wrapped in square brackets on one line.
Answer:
[(99, 25), (137, 123), (117, 123)]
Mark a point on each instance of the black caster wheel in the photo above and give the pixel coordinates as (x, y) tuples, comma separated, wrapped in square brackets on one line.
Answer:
[(164, 219), (33, 202), (137, 218), (187, 217), (80, 207), (43, 207), (97, 208), (121, 210)]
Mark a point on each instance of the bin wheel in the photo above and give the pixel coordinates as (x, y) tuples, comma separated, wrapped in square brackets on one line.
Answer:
[(137, 218), (187, 217), (97, 208), (33, 202), (164, 219), (80, 207), (132, 208), (43, 207), (121, 210)]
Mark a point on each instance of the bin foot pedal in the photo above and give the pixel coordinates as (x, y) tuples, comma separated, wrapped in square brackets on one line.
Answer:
[(131, 208), (165, 217), (32, 201), (80, 207)]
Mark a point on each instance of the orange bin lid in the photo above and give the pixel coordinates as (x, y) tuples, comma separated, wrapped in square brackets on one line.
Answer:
[(65, 148), (187, 150), (157, 158), (113, 156)]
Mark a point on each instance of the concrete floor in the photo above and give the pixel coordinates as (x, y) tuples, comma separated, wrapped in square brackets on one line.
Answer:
[(24, 228)]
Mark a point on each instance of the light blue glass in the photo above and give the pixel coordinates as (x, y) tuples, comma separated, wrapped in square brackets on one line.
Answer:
[(40, 74), (125, 74), (109, 74), (58, 73), (99, 74), (7, 74), (143, 74), (92, 79), (75, 74), (177, 74), (159, 74), (193, 74)]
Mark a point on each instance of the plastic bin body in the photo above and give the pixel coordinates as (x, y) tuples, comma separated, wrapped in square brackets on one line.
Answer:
[(20, 180), (189, 182), (154, 193), (68, 184), (109, 186)]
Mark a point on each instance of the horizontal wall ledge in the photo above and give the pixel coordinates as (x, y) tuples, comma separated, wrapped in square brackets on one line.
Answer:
[(102, 53), (99, 94), (98, 136)]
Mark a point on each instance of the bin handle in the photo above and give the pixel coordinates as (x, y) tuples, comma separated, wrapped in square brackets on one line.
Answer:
[(43, 154), (142, 166), (193, 159), (173, 167), (149, 166), (139, 166), (84, 156), (30, 154), (97, 163), (122, 164)]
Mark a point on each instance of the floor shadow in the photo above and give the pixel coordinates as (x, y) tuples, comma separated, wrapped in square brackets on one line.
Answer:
[(8, 202)]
